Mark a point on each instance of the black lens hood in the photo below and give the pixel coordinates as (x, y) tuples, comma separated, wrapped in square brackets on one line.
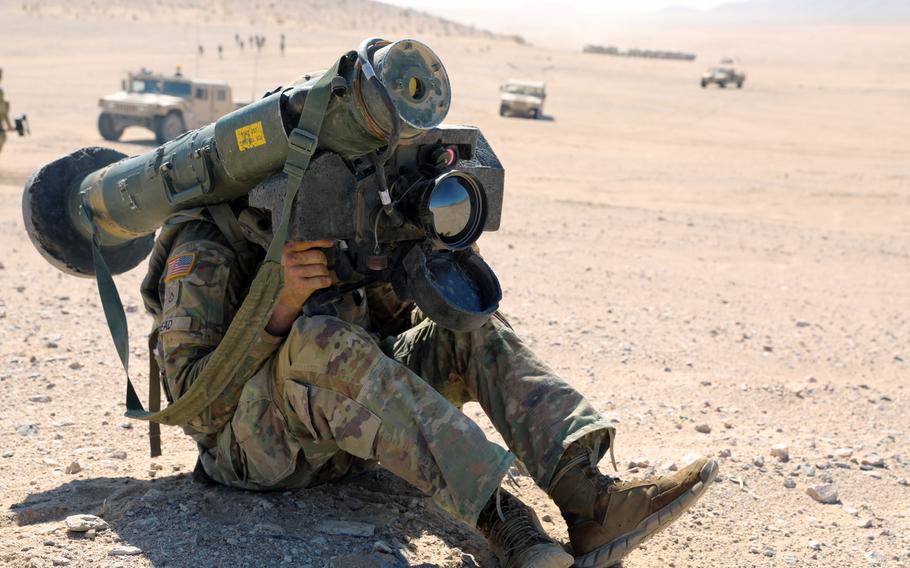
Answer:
[(455, 289)]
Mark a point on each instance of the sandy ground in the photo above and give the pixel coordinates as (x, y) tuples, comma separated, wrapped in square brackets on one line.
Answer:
[(685, 257)]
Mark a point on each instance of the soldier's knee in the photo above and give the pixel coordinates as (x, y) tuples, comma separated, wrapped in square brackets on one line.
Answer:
[(331, 346)]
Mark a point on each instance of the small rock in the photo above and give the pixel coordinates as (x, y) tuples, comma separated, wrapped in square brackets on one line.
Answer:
[(724, 453), (789, 483), (382, 548), (758, 461), (809, 470), (639, 462), (781, 452), (769, 551), (346, 528), (864, 523), (843, 453), (815, 545), (40, 398), (117, 455), (669, 466), (76, 365), (27, 429), (875, 558), (60, 561), (903, 481), (703, 428), (50, 461), (547, 518), (83, 523), (874, 460), (73, 468), (124, 550), (824, 493)]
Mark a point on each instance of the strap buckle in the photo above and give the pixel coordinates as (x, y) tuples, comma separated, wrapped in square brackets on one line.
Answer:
[(301, 147)]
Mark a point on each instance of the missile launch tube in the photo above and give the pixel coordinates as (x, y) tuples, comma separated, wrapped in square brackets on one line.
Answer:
[(131, 197)]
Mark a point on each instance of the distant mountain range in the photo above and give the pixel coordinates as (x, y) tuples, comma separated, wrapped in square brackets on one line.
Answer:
[(796, 11)]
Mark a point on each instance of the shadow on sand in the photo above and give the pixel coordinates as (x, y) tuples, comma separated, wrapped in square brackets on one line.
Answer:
[(177, 521)]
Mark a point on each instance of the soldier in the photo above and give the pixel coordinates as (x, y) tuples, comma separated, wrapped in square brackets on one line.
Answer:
[(5, 124), (381, 382)]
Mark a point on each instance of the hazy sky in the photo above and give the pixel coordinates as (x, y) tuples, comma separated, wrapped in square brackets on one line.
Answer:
[(434, 6), (583, 19)]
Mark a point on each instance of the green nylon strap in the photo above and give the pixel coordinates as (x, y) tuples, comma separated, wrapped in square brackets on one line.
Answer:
[(230, 364), (154, 395)]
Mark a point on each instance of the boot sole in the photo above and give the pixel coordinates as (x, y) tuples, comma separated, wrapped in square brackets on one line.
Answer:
[(615, 550), (547, 556)]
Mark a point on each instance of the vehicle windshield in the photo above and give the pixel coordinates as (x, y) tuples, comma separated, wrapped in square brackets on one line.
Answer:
[(146, 86), (173, 88), (524, 90)]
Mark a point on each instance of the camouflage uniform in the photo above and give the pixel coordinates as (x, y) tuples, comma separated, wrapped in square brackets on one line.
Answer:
[(379, 382), (4, 119)]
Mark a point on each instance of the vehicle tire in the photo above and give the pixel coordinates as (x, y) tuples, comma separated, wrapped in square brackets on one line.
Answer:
[(502, 110), (722, 85), (534, 114), (106, 127), (739, 84), (169, 127), (704, 84)]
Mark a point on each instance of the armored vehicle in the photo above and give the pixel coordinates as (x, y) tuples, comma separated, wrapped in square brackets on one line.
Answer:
[(168, 105), (723, 76), (522, 98)]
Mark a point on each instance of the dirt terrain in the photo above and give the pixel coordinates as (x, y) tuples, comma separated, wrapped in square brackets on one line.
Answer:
[(721, 270)]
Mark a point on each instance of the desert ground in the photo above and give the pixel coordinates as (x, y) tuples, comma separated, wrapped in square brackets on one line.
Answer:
[(721, 271)]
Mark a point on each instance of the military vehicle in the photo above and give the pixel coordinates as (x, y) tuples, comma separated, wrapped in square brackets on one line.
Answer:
[(522, 98), (168, 105), (723, 76)]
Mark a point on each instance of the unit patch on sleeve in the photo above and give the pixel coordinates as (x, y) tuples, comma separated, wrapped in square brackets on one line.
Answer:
[(180, 266)]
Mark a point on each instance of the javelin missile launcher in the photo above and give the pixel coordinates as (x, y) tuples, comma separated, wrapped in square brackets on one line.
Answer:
[(403, 195)]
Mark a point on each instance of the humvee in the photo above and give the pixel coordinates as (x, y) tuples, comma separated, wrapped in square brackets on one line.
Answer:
[(168, 105), (522, 98), (723, 76)]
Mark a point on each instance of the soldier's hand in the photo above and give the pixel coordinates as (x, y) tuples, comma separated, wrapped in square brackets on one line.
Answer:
[(305, 271)]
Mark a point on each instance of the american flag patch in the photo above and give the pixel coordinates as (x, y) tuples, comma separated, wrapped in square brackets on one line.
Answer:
[(179, 266)]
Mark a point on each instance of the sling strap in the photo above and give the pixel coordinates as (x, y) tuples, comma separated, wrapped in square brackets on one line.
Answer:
[(230, 364)]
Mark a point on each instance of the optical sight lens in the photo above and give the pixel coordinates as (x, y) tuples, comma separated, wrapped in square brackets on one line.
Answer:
[(450, 204), (453, 210)]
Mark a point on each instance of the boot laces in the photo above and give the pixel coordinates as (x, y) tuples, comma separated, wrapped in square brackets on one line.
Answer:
[(514, 529)]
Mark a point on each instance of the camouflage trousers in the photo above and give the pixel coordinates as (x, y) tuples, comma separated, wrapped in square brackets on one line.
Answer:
[(332, 396)]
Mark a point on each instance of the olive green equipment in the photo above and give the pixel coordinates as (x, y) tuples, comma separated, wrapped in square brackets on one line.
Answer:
[(402, 195)]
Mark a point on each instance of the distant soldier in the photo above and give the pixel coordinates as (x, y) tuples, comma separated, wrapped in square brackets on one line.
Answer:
[(241, 45), (201, 50), (220, 52), (281, 45), (5, 124)]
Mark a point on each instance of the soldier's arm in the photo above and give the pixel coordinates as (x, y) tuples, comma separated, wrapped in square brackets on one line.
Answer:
[(389, 315), (201, 289), (4, 113)]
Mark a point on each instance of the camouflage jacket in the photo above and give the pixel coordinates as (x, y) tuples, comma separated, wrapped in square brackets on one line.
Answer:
[(196, 283), (4, 111)]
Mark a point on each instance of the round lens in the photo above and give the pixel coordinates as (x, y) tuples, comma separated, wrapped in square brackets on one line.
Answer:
[(450, 204)]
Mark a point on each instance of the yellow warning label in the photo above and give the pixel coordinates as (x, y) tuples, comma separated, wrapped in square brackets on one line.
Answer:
[(250, 136)]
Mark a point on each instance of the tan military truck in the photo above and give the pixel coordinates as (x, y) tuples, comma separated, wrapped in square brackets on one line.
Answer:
[(168, 105), (723, 76), (522, 98)]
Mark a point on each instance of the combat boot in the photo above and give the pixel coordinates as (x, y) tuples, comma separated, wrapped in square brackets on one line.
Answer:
[(607, 517), (516, 536)]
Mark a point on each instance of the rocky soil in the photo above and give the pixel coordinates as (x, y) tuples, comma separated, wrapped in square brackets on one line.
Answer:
[(725, 273)]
